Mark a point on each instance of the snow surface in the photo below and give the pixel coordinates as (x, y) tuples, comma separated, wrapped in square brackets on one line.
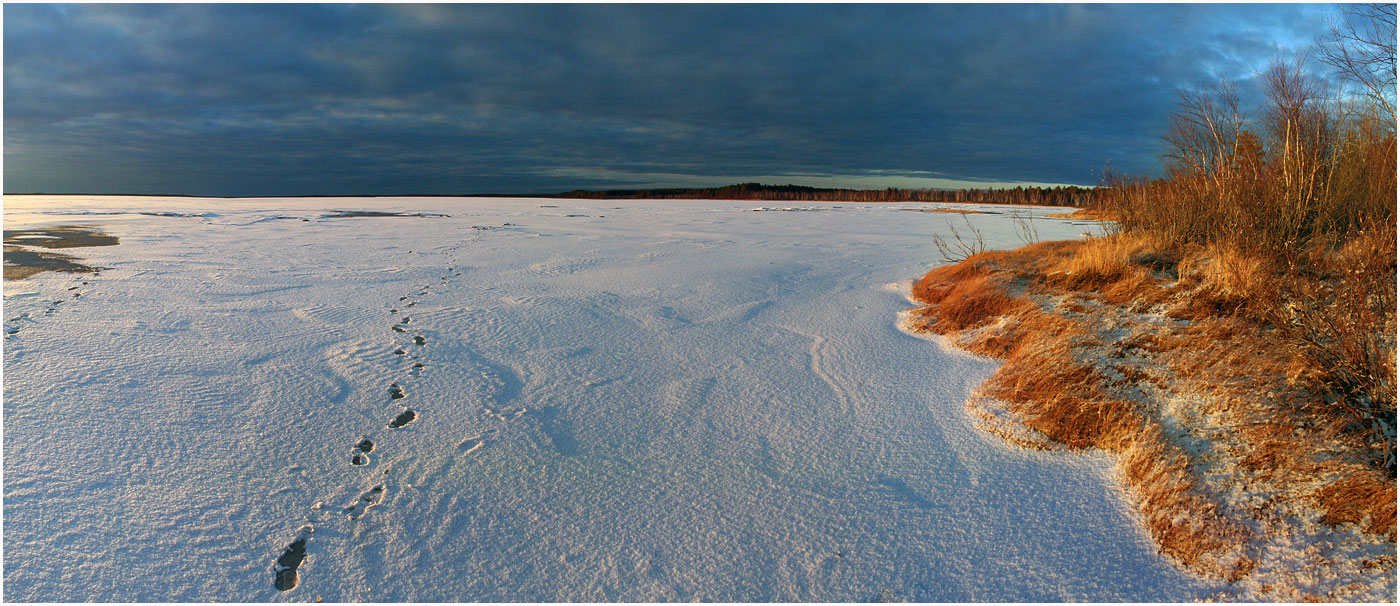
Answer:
[(619, 400)]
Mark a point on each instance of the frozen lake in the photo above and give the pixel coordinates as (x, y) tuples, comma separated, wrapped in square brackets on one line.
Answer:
[(613, 400)]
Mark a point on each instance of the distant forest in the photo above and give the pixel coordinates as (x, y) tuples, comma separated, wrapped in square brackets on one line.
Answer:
[(1068, 195)]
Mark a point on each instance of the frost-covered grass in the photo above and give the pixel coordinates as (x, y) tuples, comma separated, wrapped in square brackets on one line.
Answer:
[(643, 401)]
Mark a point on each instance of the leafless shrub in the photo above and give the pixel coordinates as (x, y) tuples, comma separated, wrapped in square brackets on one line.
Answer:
[(1341, 321), (1025, 227), (960, 247)]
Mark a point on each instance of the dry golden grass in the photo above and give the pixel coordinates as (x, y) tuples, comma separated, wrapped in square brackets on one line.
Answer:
[(1121, 268), (1063, 398), (967, 302), (1044, 308), (1366, 498), (1059, 397), (1281, 421), (1223, 280), (1187, 524)]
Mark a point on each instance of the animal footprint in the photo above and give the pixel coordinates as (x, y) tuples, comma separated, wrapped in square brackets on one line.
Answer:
[(287, 564), (404, 418), (420, 340)]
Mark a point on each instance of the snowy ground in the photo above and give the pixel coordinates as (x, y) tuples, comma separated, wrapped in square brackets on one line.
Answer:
[(639, 400)]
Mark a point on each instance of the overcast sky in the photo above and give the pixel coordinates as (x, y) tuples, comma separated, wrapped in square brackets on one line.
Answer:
[(435, 99)]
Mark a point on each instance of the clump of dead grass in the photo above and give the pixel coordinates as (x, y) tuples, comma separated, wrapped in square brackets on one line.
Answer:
[(1366, 498)]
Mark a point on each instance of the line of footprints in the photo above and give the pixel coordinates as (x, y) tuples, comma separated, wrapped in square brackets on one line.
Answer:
[(12, 326), (286, 569)]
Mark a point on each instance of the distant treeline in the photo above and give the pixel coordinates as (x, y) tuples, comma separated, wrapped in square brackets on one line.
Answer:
[(1068, 195)]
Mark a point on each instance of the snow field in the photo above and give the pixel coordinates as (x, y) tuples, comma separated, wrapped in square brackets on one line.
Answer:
[(639, 400)]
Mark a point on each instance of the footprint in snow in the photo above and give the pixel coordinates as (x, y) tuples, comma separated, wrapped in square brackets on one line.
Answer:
[(420, 340), (363, 448), (287, 563), (395, 392), (404, 418), (367, 500)]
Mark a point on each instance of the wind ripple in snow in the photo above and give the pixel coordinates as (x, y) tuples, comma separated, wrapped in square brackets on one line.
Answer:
[(563, 266)]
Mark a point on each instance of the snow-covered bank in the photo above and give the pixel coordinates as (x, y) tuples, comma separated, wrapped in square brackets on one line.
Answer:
[(617, 401)]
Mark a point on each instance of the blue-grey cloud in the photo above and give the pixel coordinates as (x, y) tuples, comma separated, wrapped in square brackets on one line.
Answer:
[(299, 99)]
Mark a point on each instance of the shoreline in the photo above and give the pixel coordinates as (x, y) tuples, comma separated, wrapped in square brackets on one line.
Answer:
[(1207, 424)]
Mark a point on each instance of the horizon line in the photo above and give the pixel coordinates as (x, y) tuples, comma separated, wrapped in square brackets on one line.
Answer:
[(532, 195)]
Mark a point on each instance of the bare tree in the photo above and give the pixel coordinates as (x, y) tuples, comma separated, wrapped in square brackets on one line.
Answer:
[(1301, 137), (1361, 46), (1203, 137), (1203, 129)]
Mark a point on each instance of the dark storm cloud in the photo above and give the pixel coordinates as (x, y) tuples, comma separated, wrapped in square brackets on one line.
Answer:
[(287, 99)]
